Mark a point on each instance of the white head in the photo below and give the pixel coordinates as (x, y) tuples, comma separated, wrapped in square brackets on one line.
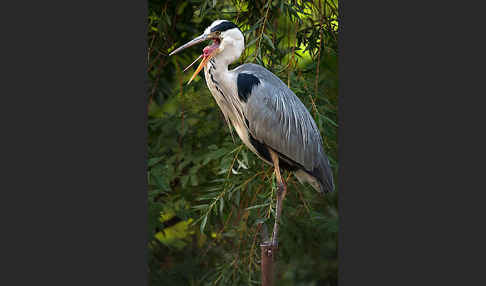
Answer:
[(229, 40), (227, 43)]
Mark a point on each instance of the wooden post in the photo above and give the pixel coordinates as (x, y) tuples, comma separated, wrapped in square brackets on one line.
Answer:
[(267, 263), (268, 254)]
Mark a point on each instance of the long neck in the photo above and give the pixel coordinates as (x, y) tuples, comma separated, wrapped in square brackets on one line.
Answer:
[(222, 85), (218, 66), (231, 52), (218, 79)]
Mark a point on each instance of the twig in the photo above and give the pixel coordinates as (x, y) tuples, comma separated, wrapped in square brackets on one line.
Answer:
[(263, 27), (290, 58), (318, 58)]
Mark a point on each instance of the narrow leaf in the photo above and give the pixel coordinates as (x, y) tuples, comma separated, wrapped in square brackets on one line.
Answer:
[(257, 206), (221, 205), (203, 223)]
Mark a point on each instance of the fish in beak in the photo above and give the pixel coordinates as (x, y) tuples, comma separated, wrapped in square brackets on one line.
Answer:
[(208, 52)]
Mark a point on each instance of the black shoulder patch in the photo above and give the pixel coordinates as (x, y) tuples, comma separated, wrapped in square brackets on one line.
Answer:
[(245, 83), (223, 26)]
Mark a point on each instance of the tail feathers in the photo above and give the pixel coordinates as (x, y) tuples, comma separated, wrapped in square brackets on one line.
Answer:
[(320, 178), (324, 176)]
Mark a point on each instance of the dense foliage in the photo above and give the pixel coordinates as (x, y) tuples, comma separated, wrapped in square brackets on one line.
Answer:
[(208, 194)]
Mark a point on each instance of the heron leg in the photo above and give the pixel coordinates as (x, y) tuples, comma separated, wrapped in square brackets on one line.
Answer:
[(281, 192)]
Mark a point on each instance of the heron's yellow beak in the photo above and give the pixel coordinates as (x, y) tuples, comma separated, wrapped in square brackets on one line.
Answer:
[(203, 63), (208, 53)]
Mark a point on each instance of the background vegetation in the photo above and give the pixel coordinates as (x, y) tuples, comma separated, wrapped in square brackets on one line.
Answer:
[(208, 193)]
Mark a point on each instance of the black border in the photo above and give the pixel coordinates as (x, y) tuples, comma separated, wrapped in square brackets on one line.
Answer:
[(73, 116), (73, 183), (341, 142)]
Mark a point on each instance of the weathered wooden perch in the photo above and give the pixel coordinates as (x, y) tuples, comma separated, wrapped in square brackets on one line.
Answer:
[(267, 254), (267, 263)]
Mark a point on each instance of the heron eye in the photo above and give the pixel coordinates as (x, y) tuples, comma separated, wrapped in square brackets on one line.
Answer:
[(218, 33)]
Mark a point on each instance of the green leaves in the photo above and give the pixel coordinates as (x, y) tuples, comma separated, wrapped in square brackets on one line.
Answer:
[(268, 41)]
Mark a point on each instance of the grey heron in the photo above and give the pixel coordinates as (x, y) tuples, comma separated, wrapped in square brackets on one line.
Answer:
[(268, 117)]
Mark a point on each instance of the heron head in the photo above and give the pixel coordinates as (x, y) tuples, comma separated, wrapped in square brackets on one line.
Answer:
[(227, 44)]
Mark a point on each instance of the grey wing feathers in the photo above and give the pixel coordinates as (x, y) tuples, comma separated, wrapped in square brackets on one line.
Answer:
[(280, 120)]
